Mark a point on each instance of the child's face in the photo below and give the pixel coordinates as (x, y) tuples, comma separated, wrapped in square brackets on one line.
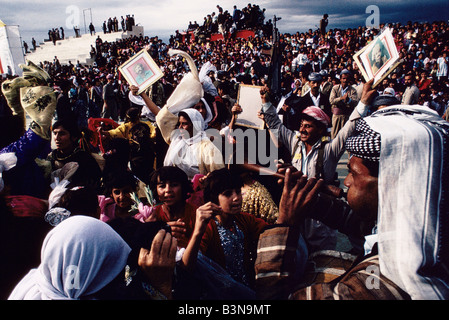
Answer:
[(169, 192), (122, 196), (230, 201)]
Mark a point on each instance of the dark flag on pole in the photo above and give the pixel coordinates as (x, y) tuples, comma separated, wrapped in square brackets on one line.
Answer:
[(275, 65)]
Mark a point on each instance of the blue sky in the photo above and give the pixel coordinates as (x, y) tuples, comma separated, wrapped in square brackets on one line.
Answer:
[(162, 18)]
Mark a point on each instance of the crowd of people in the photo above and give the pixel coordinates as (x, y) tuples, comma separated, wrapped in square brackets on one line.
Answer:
[(112, 24), (56, 34), (144, 177), (251, 17), (108, 26)]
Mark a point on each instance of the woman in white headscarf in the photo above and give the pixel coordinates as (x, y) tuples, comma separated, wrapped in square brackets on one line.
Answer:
[(206, 81), (194, 154), (79, 258), (203, 107)]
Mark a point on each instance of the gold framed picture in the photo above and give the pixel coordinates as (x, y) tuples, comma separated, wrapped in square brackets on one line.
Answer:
[(141, 70), (379, 58)]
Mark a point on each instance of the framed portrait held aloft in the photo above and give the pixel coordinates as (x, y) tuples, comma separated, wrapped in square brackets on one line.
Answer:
[(141, 70), (250, 100), (379, 58)]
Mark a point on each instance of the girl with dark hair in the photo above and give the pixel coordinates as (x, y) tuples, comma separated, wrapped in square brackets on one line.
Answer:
[(117, 201), (223, 232), (197, 276), (171, 188)]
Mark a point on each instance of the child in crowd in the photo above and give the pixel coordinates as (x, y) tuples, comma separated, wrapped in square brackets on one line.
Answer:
[(117, 201), (223, 232), (171, 188)]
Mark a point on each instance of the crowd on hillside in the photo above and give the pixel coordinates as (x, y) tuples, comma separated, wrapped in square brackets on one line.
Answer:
[(132, 196), (251, 17), (422, 46)]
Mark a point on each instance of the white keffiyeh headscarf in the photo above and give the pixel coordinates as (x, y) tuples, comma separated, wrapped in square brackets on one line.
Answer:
[(79, 257), (413, 219)]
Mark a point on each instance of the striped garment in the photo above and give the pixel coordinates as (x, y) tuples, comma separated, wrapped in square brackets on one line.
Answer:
[(275, 262), (276, 278), (413, 211)]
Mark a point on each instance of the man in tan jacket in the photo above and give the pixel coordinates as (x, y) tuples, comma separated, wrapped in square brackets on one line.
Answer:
[(343, 100)]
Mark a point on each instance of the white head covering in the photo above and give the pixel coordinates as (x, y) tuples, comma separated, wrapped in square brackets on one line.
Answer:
[(182, 152), (389, 92), (413, 199), (7, 161), (197, 121), (209, 113), (79, 257), (206, 81)]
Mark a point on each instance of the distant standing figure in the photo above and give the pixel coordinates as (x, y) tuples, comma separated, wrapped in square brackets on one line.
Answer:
[(343, 99), (123, 24), (323, 24), (25, 47), (91, 29), (110, 107)]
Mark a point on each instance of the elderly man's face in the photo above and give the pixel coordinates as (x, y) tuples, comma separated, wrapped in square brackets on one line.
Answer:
[(138, 69), (362, 187), (377, 53)]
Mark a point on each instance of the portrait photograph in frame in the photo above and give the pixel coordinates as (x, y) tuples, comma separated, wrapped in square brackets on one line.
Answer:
[(379, 58), (141, 70)]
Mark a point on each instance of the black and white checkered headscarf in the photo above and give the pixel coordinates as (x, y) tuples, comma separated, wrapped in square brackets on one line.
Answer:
[(364, 142)]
